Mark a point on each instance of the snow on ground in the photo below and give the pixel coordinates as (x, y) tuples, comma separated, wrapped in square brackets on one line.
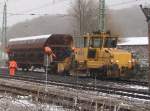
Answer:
[(138, 87), (25, 103), (125, 99)]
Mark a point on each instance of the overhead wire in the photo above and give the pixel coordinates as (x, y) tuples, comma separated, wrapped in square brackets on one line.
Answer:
[(26, 12), (30, 10), (33, 14), (41, 14), (10, 14), (43, 6)]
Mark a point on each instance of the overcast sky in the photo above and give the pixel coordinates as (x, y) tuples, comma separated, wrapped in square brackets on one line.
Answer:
[(40, 7)]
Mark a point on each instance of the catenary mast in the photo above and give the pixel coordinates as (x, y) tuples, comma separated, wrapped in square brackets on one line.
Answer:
[(4, 26), (101, 24), (4, 32)]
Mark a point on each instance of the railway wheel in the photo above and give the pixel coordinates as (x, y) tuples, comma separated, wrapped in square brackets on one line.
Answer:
[(136, 69), (66, 73), (125, 73), (116, 71), (92, 73), (23, 69), (113, 71), (72, 72)]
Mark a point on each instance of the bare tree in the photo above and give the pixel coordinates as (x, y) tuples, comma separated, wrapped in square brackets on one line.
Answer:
[(85, 15)]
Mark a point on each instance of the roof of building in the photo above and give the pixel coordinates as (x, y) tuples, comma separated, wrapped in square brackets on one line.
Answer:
[(134, 41)]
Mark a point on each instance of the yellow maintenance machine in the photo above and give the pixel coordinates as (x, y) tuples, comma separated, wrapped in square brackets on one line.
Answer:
[(98, 55)]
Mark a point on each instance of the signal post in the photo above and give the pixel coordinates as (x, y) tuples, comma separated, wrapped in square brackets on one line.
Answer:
[(146, 12), (149, 45)]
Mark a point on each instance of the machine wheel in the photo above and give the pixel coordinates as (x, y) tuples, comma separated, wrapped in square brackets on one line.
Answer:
[(113, 71), (23, 69), (72, 72), (96, 73), (92, 74), (66, 73), (126, 73), (116, 70), (136, 69)]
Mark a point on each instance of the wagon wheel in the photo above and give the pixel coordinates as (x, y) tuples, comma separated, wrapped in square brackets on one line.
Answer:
[(72, 72), (73, 67)]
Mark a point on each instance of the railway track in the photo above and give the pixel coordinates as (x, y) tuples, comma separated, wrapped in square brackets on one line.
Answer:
[(127, 81), (118, 80), (103, 88)]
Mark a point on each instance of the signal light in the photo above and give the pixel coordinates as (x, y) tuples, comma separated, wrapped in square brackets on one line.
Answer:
[(74, 49), (47, 50)]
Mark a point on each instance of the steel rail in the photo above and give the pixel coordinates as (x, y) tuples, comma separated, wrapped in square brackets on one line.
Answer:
[(118, 80), (99, 88), (127, 81)]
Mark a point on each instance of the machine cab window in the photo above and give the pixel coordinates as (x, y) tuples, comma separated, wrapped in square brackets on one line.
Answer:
[(79, 42), (95, 42), (110, 42)]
